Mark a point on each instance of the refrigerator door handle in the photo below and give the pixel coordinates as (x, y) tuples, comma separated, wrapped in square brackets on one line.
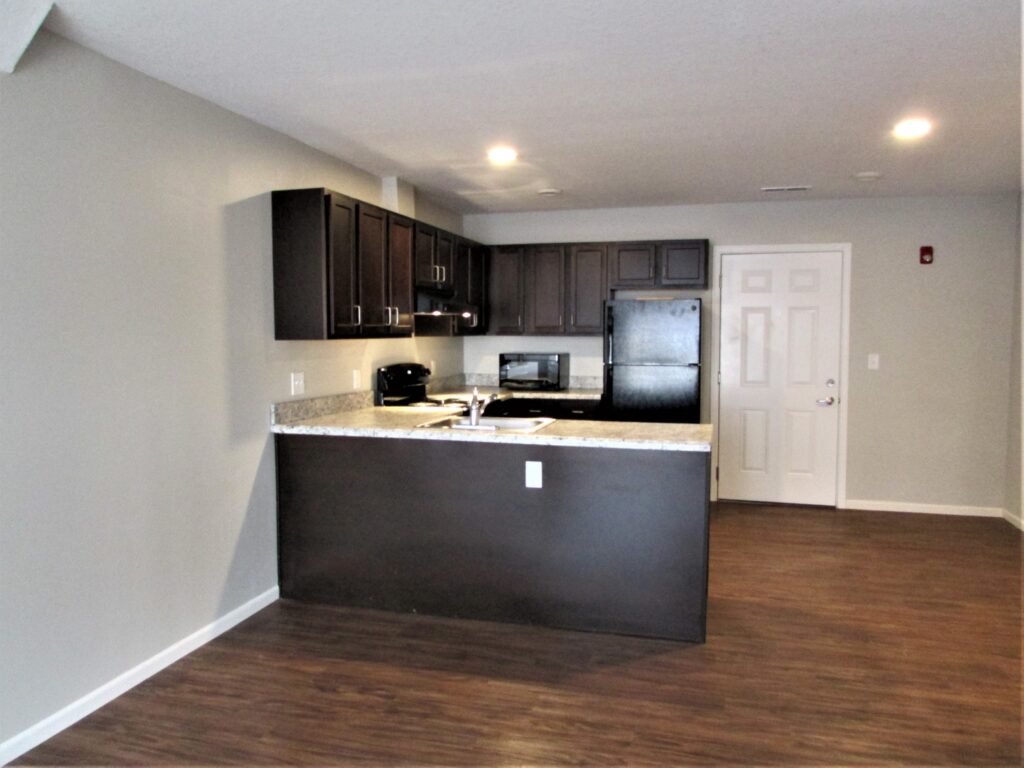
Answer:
[(693, 365), (611, 347)]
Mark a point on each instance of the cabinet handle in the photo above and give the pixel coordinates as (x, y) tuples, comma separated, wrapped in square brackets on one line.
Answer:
[(572, 319), (359, 314), (444, 274), (519, 321), (437, 274)]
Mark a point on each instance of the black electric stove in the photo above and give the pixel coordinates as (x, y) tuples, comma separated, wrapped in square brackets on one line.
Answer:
[(406, 384)]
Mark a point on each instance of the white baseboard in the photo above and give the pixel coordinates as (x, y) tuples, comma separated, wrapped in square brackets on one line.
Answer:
[(927, 509), (1013, 518), (35, 735)]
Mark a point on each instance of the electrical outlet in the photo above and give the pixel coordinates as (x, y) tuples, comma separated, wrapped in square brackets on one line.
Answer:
[(874, 361), (357, 379), (298, 383), (534, 474)]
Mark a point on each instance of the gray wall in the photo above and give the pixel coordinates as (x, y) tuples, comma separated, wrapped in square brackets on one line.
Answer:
[(931, 426), (137, 367)]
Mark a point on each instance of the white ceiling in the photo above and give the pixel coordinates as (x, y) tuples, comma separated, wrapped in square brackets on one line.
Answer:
[(619, 103)]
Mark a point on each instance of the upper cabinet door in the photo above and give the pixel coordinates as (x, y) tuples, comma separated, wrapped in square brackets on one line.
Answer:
[(478, 288), (469, 285), (400, 273), (506, 290), (444, 258), (683, 263), (587, 288), (545, 289), (342, 267), (632, 265), (373, 276), (425, 247)]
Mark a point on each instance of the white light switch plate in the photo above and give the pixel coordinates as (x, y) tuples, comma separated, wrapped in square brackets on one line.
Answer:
[(874, 361), (357, 379), (298, 383), (534, 474)]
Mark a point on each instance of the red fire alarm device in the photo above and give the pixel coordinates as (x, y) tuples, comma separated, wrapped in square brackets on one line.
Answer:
[(927, 255)]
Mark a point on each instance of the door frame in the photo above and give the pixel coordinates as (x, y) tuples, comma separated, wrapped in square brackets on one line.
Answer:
[(846, 249)]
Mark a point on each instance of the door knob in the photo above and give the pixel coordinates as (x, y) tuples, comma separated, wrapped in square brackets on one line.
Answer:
[(826, 401)]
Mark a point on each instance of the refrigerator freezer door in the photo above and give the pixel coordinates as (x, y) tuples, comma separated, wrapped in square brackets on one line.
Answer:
[(669, 393), (653, 332)]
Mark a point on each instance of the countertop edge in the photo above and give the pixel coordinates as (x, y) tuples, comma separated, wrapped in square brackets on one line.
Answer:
[(474, 437)]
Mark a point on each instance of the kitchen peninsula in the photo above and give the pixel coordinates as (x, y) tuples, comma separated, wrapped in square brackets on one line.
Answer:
[(588, 525)]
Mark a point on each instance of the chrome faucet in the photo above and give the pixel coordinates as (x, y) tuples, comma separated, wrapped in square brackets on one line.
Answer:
[(477, 406)]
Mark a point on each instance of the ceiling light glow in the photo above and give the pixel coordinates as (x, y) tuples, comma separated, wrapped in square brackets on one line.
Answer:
[(912, 128), (502, 155)]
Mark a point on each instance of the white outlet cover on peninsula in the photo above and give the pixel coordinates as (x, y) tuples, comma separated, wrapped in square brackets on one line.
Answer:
[(534, 474)]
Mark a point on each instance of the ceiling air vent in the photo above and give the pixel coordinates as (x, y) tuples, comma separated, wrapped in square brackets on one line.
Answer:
[(790, 188)]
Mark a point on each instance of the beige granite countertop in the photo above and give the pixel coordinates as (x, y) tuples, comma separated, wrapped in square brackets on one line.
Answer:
[(400, 422)]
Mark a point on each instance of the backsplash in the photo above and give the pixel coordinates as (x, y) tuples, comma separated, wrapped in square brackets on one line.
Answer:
[(310, 408), (491, 380)]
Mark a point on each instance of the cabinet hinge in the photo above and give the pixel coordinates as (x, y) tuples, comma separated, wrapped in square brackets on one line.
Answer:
[(719, 374), (716, 473)]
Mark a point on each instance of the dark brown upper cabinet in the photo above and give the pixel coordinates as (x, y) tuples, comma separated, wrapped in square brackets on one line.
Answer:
[(545, 289), (401, 232), (334, 276), (632, 265), (470, 287), (658, 264), (683, 263), (507, 268), (587, 288), (384, 245), (372, 240), (435, 256), (316, 290)]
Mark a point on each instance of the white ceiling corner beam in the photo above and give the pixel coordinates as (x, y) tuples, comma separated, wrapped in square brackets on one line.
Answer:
[(20, 20)]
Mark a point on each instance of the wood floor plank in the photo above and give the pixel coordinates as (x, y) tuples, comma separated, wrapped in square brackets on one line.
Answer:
[(839, 638)]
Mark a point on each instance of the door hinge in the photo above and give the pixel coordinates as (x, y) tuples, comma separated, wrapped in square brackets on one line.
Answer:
[(716, 473), (719, 374)]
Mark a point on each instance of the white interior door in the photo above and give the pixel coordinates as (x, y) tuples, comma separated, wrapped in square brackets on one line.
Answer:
[(779, 406)]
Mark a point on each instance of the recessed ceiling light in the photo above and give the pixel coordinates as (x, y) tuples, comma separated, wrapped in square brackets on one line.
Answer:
[(788, 188), (502, 155), (549, 191), (912, 128), (867, 176)]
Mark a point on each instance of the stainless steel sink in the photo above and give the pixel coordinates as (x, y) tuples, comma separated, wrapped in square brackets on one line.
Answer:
[(503, 424)]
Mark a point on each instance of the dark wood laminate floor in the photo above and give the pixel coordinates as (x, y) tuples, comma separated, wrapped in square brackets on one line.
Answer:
[(838, 638)]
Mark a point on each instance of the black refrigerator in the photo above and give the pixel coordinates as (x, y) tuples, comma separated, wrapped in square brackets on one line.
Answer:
[(652, 360)]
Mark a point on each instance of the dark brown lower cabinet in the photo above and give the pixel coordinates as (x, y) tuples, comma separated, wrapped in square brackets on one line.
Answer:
[(614, 541)]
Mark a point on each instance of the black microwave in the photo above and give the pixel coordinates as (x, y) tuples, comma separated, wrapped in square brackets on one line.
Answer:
[(533, 370)]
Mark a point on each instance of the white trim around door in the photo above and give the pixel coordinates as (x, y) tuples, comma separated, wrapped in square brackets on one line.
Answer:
[(844, 356)]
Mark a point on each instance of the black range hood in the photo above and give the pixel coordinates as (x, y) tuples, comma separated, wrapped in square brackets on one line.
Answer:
[(432, 305), (436, 315)]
